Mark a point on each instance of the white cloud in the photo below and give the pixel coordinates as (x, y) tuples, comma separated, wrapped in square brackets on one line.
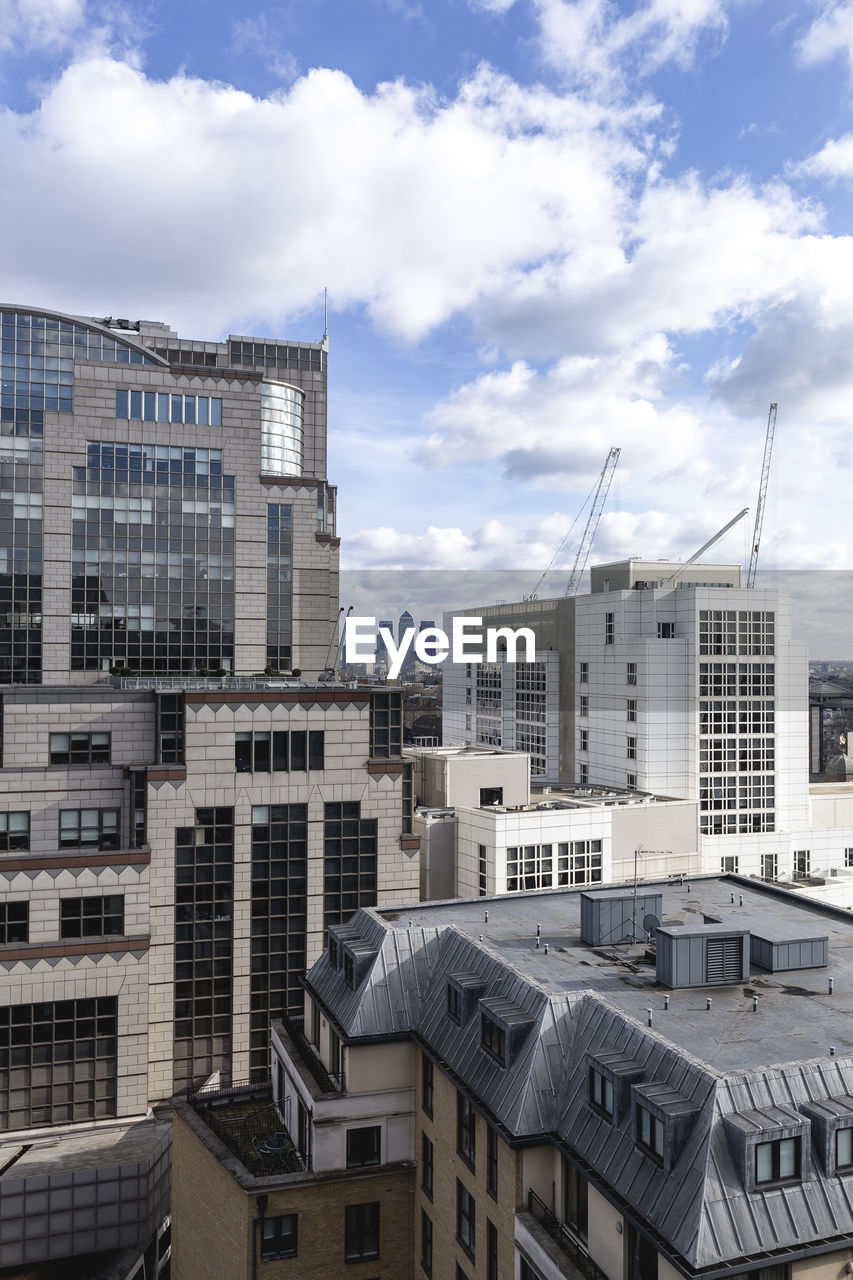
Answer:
[(38, 24), (492, 6), (829, 35), (257, 36), (833, 162)]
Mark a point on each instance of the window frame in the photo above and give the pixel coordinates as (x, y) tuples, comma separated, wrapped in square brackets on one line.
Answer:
[(283, 1250), (427, 1085), (89, 752), (777, 1178), (374, 1155), (426, 1242), (78, 910), (466, 1130), (492, 1170), (427, 1166), (466, 1220), (17, 839), (493, 1039), (597, 1086), (102, 841), (656, 1133), (362, 1225)]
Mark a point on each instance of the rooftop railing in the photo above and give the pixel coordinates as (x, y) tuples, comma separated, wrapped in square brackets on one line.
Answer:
[(563, 1237)]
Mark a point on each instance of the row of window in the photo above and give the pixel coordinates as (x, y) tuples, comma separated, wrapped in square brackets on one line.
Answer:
[(90, 917), (160, 406), (281, 751), (533, 866), (78, 829), (630, 669), (280, 1234)]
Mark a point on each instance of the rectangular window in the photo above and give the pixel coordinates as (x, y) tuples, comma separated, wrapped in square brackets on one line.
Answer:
[(777, 1161), (583, 740), (583, 673), (361, 1232), (631, 781), (427, 1166), (364, 1146), (729, 864), (583, 705), (608, 628), (601, 1093), (465, 1219), (493, 1039), (802, 863), (575, 1200), (583, 774), (466, 1130), (491, 1250), (14, 831), (631, 711), (349, 860), (454, 1004), (631, 748), (427, 1084), (482, 869), (386, 724), (492, 1162), (96, 917), (666, 630), (843, 1149), (79, 748), (279, 1237), (89, 828), (631, 673), (426, 1242), (769, 866), (279, 752), (14, 922), (848, 857), (649, 1132)]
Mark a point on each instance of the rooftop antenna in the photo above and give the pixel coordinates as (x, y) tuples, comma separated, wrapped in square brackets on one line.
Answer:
[(325, 312)]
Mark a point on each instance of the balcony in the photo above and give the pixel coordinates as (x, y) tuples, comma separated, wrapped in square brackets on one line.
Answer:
[(245, 1117), (574, 1261), (325, 1081)]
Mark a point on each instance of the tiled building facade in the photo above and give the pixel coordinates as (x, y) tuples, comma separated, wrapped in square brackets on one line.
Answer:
[(177, 828)]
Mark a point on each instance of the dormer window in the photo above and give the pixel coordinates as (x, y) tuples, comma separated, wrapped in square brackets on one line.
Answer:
[(454, 1004), (493, 1039), (844, 1150), (777, 1161), (601, 1093), (649, 1132)]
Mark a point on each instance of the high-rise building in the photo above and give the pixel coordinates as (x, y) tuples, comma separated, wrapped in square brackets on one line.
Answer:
[(177, 828)]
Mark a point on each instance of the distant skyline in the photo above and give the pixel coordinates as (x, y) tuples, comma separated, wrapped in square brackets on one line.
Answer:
[(546, 227)]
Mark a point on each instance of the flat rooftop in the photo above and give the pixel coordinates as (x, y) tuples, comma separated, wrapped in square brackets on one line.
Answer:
[(49, 1152), (797, 1019)]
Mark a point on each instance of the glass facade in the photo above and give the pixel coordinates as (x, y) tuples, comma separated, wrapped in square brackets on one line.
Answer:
[(279, 920), (281, 430), (204, 948), (349, 879), (152, 560), (279, 586), (37, 355)]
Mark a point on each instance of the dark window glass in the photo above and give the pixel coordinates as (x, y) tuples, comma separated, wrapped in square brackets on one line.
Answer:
[(454, 1003), (15, 922), (14, 831), (89, 828), (649, 1132), (79, 748), (364, 1146), (601, 1092), (428, 1165), (466, 1129), (465, 1218), (95, 917), (298, 751), (575, 1199), (349, 864), (493, 1039), (279, 1237), (361, 1232), (491, 1250), (427, 1084), (426, 1243), (492, 1162)]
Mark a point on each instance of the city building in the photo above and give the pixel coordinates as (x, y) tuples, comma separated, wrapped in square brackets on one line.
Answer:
[(177, 828), (622, 1086), (672, 680)]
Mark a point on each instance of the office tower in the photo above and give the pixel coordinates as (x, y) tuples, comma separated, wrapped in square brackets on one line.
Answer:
[(177, 829), (523, 1090)]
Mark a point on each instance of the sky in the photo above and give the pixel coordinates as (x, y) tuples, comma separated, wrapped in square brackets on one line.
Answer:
[(546, 227)]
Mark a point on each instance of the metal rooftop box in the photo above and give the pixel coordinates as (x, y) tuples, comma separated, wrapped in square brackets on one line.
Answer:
[(607, 915), (702, 955)]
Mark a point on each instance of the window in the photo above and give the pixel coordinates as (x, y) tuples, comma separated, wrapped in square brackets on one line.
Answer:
[(575, 1199), (88, 828), (843, 1150), (14, 831), (491, 1250), (426, 1243), (802, 861), (777, 1161), (601, 1093), (454, 1004), (482, 869), (364, 1146), (631, 711), (631, 673), (583, 774), (280, 751), (729, 864), (529, 866), (91, 917), (427, 1166), (649, 1132), (14, 922), (492, 1162), (386, 724), (608, 628), (493, 1039), (349, 862), (278, 1237), (769, 866), (79, 748), (848, 857), (583, 673), (361, 1232), (460, 1274), (160, 406), (631, 781), (466, 1129), (631, 748), (583, 740), (427, 1084), (349, 969), (583, 705), (666, 630), (465, 1219)]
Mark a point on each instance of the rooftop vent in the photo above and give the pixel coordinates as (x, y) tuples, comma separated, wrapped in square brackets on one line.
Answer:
[(607, 915), (778, 951), (705, 955)]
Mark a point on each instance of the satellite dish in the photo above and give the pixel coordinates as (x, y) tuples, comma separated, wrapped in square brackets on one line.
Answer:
[(651, 923)]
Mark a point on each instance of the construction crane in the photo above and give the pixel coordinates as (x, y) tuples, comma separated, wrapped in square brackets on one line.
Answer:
[(672, 581), (585, 547), (762, 494)]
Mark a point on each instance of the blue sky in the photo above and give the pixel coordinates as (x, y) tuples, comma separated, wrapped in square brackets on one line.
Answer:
[(546, 227)]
